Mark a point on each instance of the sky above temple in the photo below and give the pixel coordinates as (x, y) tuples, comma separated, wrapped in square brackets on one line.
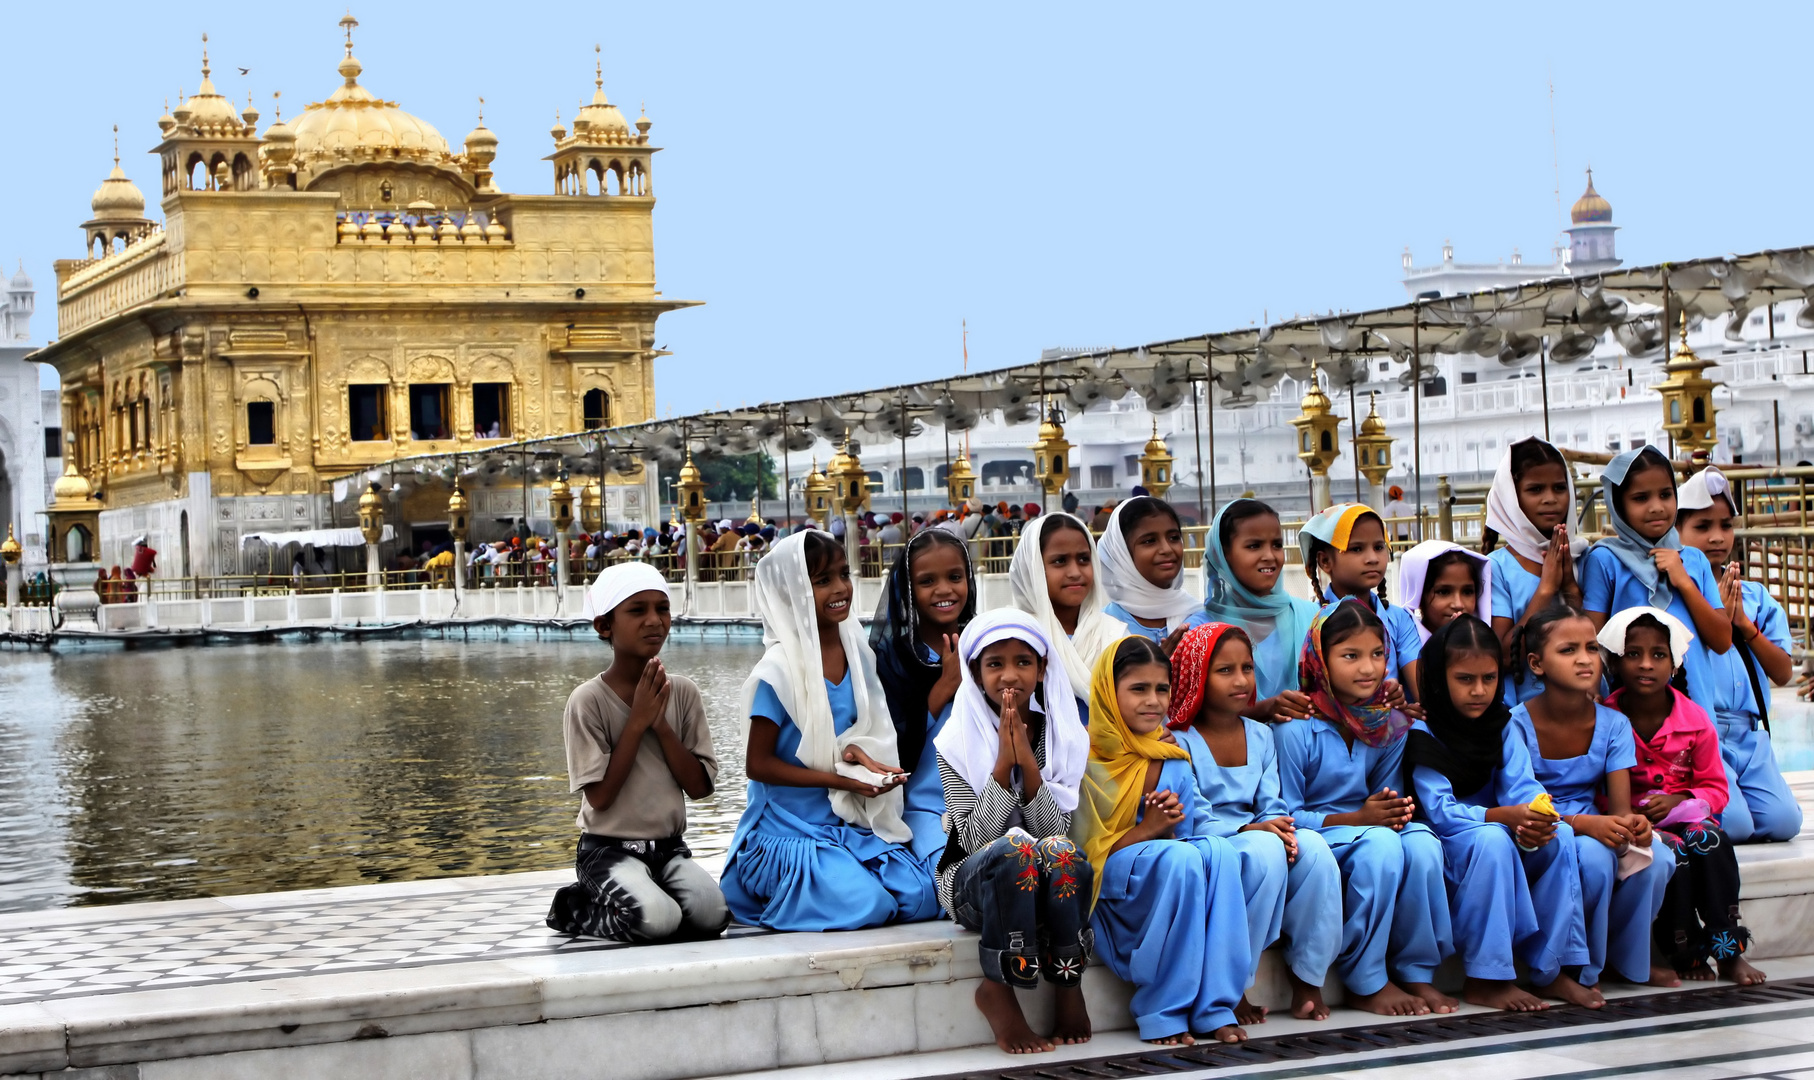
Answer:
[(845, 185)]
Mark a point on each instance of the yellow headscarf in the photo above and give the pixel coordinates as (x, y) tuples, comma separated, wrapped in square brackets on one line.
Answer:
[(1109, 799)]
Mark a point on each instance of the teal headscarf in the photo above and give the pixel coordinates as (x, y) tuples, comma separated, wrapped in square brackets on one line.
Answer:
[(1231, 602), (1631, 547)]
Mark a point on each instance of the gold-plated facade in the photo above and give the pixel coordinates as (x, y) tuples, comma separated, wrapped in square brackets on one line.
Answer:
[(1156, 465), (1051, 453), (1688, 398), (1373, 446), (340, 291), (1317, 444)]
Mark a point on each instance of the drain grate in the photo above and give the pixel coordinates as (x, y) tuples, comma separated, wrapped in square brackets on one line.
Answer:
[(1388, 1036)]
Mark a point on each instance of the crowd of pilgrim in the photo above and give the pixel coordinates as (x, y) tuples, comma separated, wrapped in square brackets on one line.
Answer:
[(1537, 757)]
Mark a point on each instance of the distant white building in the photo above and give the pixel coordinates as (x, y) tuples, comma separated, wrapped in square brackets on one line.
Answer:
[(1590, 251), (25, 443)]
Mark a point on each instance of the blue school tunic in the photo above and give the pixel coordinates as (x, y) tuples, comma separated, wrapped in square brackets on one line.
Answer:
[(1619, 913), (1402, 933), (924, 794), (1606, 586), (1275, 660), (1157, 633), (1301, 900), (1509, 906), (1171, 919), (1734, 704), (1513, 589), (1761, 805), (794, 864), (1404, 645)]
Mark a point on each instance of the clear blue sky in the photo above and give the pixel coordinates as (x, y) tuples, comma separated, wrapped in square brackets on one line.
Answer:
[(842, 184)]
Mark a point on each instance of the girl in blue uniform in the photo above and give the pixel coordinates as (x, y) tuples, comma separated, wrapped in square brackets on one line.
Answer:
[(1442, 580), (931, 597), (1339, 772), (1011, 760), (1169, 916), (1475, 787), (1347, 544), (1645, 564), (1531, 506), (1053, 577), (1142, 570), (821, 844), (1290, 878), (1581, 753), (1243, 560), (1761, 806)]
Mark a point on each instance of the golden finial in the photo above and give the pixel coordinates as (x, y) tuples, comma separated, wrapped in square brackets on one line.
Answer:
[(598, 68), (116, 146), (277, 103), (349, 22), (204, 56), (481, 110)]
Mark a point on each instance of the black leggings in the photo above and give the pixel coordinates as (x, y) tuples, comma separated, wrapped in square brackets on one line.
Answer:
[(1699, 919)]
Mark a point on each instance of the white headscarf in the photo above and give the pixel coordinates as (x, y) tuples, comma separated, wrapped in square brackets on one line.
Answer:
[(1096, 628), (1505, 516), (615, 584), (1612, 635), (1415, 567), (971, 737), (1134, 593), (1698, 491), (793, 668)]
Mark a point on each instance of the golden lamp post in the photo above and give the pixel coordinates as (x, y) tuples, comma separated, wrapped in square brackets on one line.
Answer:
[(960, 482), (9, 555), (1317, 445), (560, 510), (1156, 465), (371, 526), (692, 508), (1688, 398), (818, 496), (459, 524), (1051, 456), (1374, 449)]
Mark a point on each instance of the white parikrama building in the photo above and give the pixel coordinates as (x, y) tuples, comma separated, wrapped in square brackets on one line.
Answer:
[(26, 442), (1471, 407)]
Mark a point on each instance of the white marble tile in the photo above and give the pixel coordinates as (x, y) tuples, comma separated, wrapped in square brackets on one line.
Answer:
[(796, 1032), (866, 1023), (945, 1016), (729, 1038), (31, 1039), (445, 1056)]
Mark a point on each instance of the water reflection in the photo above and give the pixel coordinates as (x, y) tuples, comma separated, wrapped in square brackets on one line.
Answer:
[(174, 773)]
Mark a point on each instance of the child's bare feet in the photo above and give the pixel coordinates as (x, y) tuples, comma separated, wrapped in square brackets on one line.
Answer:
[(1307, 1000), (1698, 972), (1437, 1000), (1228, 1033), (1501, 994), (1248, 1013), (1072, 1018), (1389, 1000), (998, 1004), (1566, 988), (1183, 1038), (1739, 970), (1663, 975)]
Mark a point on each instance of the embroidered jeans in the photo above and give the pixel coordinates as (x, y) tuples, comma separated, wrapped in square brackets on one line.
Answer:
[(1030, 900)]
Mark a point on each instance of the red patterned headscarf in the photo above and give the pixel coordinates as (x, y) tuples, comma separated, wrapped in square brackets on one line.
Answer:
[(1372, 721), (1190, 670)]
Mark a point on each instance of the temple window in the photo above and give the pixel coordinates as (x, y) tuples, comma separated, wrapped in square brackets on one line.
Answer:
[(491, 410), (368, 419), (261, 423), (596, 408), (428, 417)]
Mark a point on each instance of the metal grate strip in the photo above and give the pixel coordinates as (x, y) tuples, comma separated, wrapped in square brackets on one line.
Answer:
[(1411, 1033)]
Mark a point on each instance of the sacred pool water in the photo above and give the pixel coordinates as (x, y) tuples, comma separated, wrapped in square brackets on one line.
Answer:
[(170, 773)]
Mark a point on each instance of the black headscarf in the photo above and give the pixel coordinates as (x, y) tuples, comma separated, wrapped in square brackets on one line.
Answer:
[(907, 677), (1468, 752)]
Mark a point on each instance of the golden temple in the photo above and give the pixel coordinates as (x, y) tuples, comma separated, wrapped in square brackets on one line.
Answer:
[(338, 291)]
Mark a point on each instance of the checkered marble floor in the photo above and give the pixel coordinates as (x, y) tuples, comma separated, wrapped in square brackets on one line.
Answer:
[(320, 935)]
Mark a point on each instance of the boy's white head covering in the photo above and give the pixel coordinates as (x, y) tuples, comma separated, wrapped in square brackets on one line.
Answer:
[(971, 737), (1414, 569), (1505, 516), (1612, 635), (615, 584), (1138, 596), (793, 668), (1096, 628), (1698, 491)]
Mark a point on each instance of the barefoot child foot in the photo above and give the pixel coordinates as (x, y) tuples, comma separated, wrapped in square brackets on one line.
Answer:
[(1001, 1007), (1228, 1033), (1696, 972), (1183, 1038), (1663, 975), (1565, 988), (1072, 1024), (1739, 970), (1389, 1000), (1438, 1001), (1501, 994), (1248, 1013), (1307, 1001)]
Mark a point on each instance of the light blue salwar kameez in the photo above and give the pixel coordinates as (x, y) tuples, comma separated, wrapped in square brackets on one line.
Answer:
[(1301, 899), (1619, 914), (1170, 919), (796, 865), (1395, 915), (1761, 805), (1509, 905)]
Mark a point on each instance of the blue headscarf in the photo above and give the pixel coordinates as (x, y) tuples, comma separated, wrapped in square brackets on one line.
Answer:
[(1232, 602), (1631, 547)]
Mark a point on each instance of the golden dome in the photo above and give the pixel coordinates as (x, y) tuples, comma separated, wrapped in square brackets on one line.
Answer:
[(207, 111), (1590, 208), (1373, 424), (118, 199), (1315, 403), (71, 487), (353, 123), (600, 117)]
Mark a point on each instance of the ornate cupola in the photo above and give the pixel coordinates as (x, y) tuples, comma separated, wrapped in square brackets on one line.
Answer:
[(602, 155), (209, 145), (119, 210)]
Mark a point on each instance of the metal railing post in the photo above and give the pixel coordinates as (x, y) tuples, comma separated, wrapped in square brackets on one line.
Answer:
[(1445, 508)]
